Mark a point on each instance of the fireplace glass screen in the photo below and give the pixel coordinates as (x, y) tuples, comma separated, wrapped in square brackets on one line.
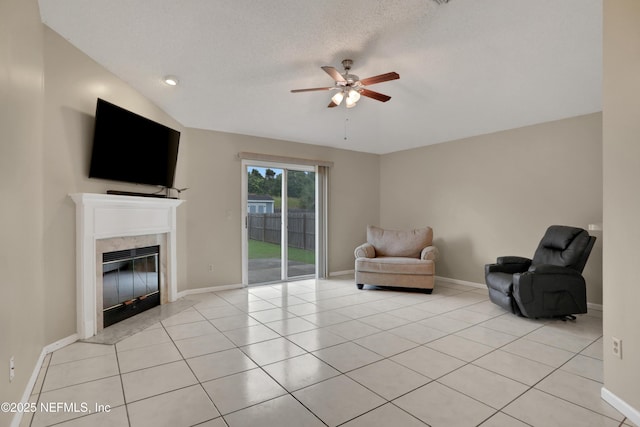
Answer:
[(130, 282)]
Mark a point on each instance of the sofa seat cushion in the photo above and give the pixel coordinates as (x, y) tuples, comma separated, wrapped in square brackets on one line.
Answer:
[(395, 265), (396, 243)]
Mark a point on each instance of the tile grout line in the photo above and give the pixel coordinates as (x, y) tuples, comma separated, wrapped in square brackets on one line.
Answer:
[(386, 401), (259, 366), (345, 373), (124, 397), (531, 387), (193, 373), (352, 341)]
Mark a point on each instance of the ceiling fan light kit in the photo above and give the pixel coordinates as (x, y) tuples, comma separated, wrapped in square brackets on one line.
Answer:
[(352, 97), (350, 86), (337, 98)]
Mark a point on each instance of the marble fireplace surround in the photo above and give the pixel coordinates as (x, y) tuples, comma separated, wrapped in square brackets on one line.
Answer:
[(105, 223)]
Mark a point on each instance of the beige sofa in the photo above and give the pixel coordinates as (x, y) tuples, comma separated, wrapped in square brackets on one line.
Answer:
[(397, 258)]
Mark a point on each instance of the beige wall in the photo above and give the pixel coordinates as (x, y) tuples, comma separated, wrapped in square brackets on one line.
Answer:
[(21, 175), (485, 196), (73, 82), (621, 153), (214, 199), (47, 122), (496, 194)]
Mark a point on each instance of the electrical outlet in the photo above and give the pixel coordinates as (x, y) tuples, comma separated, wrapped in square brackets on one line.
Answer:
[(210, 267), (12, 369), (616, 344)]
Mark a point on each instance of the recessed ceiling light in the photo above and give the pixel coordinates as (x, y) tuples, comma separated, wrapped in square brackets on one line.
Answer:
[(171, 80)]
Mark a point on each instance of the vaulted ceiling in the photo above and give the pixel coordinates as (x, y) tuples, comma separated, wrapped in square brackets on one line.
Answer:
[(467, 67)]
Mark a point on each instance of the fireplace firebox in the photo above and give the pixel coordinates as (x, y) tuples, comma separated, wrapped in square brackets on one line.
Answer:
[(131, 282)]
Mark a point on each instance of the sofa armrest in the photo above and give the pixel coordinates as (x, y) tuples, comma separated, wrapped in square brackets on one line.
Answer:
[(430, 253), (365, 250)]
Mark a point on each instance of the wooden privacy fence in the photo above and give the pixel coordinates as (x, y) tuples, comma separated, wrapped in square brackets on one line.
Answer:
[(266, 227)]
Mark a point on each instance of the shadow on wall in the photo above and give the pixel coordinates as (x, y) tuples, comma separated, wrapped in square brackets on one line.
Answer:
[(79, 127), (593, 270)]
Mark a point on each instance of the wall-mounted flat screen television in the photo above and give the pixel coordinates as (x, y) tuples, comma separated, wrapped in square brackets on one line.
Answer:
[(130, 148)]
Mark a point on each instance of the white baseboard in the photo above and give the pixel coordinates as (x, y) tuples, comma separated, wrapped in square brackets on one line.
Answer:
[(208, 289), (590, 305), (239, 285), (623, 407), (60, 343), (461, 282), (341, 273), (594, 306), (36, 371), (188, 292)]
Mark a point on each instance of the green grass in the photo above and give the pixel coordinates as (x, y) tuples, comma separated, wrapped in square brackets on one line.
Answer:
[(292, 202), (259, 249)]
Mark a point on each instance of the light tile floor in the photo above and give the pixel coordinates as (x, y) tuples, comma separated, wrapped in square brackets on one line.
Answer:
[(316, 353)]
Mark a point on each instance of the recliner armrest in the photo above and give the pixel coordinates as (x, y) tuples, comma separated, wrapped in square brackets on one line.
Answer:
[(365, 250), (430, 253), (504, 268), (513, 260), (509, 264)]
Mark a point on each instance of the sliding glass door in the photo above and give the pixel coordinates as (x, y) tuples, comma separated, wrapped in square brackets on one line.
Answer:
[(280, 223), (301, 223), (264, 224)]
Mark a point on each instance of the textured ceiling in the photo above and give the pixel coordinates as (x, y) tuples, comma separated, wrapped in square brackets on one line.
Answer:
[(467, 67)]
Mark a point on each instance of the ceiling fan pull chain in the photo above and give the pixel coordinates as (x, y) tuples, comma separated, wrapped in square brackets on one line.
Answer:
[(346, 122)]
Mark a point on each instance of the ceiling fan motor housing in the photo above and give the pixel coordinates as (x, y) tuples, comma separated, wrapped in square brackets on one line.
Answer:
[(351, 79)]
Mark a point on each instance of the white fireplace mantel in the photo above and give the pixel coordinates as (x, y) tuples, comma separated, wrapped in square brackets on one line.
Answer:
[(104, 216)]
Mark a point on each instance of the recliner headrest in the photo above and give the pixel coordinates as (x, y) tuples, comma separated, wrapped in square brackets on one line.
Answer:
[(559, 237), (564, 246)]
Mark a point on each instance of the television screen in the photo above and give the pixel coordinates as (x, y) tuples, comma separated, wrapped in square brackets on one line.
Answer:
[(131, 148)]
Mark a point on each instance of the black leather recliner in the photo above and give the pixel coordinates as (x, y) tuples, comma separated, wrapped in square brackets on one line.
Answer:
[(549, 285)]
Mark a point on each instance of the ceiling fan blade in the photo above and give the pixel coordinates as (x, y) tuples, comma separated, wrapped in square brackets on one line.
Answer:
[(332, 104), (375, 95), (311, 89), (335, 74), (379, 79)]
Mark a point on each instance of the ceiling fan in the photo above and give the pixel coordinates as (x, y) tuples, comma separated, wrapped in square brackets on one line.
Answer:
[(350, 86)]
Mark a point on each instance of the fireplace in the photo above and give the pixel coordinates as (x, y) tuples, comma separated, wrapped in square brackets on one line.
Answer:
[(113, 223)]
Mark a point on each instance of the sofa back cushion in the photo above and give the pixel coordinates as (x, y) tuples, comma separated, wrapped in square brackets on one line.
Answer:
[(399, 243)]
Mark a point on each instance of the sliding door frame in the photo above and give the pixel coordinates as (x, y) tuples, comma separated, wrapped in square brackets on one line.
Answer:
[(320, 211)]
